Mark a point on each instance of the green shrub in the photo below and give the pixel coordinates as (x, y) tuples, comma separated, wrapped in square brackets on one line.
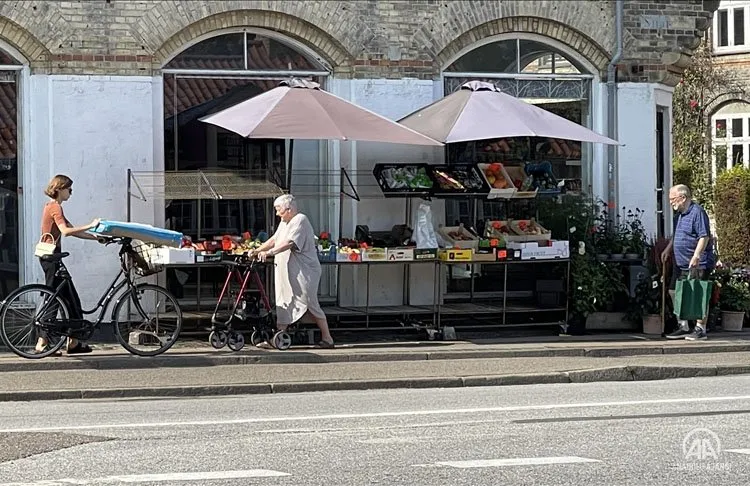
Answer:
[(732, 210), (682, 172)]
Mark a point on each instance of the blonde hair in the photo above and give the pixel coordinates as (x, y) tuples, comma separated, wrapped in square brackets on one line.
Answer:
[(57, 184)]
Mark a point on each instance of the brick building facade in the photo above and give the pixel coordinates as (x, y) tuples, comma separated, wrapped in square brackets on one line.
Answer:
[(93, 87)]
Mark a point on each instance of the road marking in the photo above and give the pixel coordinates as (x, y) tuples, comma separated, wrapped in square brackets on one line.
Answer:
[(157, 478), (738, 451), (346, 416), (518, 461)]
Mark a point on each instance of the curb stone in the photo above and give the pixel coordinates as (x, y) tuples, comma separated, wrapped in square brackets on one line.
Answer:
[(621, 373), (120, 361)]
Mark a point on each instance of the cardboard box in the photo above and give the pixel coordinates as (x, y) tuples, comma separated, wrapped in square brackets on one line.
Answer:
[(454, 255), (400, 254), (348, 257), (374, 254), (166, 256), (421, 254), (506, 193), (533, 251), (517, 173), (472, 243), (489, 255)]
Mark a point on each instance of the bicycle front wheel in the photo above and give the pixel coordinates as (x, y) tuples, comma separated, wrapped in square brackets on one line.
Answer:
[(29, 313), (147, 320)]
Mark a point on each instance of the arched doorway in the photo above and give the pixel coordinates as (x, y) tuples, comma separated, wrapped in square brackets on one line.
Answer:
[(213, 73), (541, 71), (11, 65)]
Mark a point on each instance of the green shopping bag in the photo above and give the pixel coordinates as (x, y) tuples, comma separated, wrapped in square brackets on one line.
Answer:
[(691, 299)]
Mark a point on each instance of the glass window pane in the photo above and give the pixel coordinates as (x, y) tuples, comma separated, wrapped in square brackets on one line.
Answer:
[(737, 127), (497, 57), (540, 65), (723, 28), (7, 60), (220, 52), (739, 26), (720, 154), (264, 53), (564, 66), (737, 158), (721, 128)]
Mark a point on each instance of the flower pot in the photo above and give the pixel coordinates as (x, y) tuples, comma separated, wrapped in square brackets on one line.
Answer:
[(652, 325), (732, 320)]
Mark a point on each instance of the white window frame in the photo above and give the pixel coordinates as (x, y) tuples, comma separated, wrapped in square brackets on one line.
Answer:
[(729, 7), (730, 140)]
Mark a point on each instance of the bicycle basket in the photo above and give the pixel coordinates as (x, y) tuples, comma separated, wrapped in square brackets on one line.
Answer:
[(142, 260)]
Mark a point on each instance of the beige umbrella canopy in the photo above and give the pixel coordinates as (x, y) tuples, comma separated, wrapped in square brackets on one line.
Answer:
[(299, 109), (480, 111)]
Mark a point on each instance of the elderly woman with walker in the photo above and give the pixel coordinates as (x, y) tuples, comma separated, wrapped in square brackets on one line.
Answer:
[(297, 269)]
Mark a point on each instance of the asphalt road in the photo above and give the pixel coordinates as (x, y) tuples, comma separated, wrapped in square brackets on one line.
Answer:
[(680, 432)]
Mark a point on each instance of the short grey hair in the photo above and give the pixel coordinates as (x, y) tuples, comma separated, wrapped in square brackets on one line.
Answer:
[(682, 190), (286, 201)]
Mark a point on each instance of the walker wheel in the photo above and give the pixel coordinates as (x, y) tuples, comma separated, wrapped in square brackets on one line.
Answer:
[(256, 338), (282, 340), (236, 341), (218, 339)]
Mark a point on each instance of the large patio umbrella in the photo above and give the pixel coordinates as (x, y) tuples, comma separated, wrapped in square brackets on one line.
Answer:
[(299, 109), (480, 111)]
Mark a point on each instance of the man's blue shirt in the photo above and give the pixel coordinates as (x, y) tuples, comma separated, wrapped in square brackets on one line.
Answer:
[(689, 227)]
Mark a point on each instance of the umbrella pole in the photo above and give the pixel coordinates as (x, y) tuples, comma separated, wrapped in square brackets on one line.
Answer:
[(289, 165)]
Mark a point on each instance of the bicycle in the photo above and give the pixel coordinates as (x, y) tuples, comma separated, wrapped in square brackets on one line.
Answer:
[(139, 332)]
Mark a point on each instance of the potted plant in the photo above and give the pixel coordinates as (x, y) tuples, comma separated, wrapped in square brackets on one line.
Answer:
[(646, 304), (734, 302), (634, 235)]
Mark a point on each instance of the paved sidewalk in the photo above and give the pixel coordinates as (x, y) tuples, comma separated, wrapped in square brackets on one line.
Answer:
[(197, 353), (288, 378)]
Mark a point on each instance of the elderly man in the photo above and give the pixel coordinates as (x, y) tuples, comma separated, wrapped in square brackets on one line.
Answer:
[(693, 251), (297, 273)]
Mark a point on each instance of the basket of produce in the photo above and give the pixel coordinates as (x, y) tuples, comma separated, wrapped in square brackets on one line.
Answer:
[(399, 180), (459, 237), (501, 185), (525, 230), (522, 182), (458, 180)]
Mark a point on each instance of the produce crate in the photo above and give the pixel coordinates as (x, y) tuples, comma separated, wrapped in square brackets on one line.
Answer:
[(166, 256), (491, 173), (516, 174), (458, 180), (422, 254), (328, 255), (531, 250), (400, 254), (453, 255), (501, 233), (521, 236), (487, 255), (348, 256), (209, 257), (471, 242), (374, 254), (404, 180)]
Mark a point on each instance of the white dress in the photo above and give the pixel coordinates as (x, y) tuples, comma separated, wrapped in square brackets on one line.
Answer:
[(297, 272)]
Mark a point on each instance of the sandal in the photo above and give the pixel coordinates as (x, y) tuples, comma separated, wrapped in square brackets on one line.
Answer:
[(80, 349), (326, 345)]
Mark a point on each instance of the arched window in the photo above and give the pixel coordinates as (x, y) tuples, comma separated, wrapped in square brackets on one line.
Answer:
[(730, 136)]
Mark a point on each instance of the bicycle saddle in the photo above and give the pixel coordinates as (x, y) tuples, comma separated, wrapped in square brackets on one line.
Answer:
[(55, 257)]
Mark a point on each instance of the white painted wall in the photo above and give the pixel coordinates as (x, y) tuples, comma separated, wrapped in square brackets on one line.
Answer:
[(91, 128), (637, 105)]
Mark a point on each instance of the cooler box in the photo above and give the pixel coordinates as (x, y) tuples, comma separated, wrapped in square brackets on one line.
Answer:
[(143, 232)]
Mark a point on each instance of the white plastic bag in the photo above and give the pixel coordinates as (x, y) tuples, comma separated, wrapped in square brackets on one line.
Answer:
[(425, 236)]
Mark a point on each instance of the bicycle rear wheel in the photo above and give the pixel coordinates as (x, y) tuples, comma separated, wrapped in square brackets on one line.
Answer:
[(147, 320), (25, 318)]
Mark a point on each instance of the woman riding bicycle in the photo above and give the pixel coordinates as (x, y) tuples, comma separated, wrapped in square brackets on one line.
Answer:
[(54, 225)]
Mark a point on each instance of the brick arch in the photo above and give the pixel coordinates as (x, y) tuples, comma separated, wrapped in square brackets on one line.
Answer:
[(32, 50), (580, 43), (332, 51), (724, 99)]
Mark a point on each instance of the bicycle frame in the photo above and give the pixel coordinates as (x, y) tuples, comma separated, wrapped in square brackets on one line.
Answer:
[(121, 280)]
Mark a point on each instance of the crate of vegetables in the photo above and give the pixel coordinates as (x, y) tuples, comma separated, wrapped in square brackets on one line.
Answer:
[(458, 180), (459, 237), (403, 180), (501, 185)]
